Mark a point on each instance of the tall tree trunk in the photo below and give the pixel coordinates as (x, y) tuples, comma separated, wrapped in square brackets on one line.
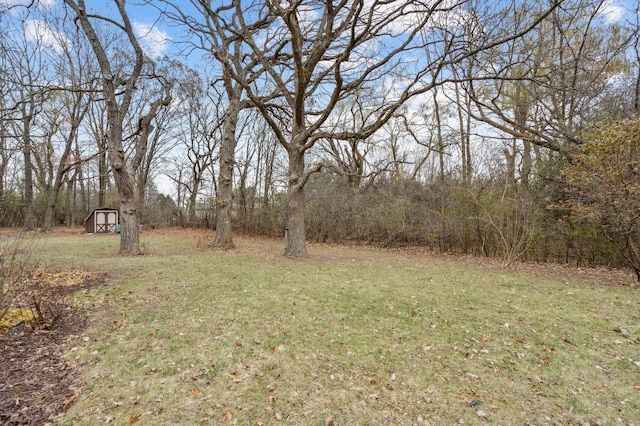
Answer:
[(103, 171), (29, 218), (440, 142), (224, 196), (70, 204), (50, 214), (295, 243), (129, 225), (510, 157), (527, 164), (193, 198), (64, 164), (636, 94), (636, 100)]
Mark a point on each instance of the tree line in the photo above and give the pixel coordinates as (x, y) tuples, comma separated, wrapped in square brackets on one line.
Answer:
[(507, 129)]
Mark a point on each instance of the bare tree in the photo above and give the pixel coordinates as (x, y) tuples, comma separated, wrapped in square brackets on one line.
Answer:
[(317, 53), (73, 100), (27, 78), (150, 138), (541, 89), (214, 34), (198, 133), (119, 85)]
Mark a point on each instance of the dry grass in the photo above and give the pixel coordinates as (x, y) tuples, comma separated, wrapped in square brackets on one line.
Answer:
[(354, 335)]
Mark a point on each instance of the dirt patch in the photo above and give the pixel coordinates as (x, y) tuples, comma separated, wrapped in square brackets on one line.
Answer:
[(36, 382)]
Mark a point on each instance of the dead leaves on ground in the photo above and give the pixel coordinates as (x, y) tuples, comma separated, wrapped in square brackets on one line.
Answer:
[(63, 279), (34, 299)]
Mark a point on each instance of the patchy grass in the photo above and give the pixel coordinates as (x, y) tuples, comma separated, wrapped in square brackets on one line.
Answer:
[(187, 335)]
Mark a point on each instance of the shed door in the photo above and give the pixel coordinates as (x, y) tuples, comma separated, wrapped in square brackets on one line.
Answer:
[(112, 221), (101, 221)]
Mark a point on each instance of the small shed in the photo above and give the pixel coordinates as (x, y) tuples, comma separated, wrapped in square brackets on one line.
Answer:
[(101, 220)]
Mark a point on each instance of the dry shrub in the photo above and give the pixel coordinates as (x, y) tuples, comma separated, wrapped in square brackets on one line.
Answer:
[(24, 298), (15, 264)]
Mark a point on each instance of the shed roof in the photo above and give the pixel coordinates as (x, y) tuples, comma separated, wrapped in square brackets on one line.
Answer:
[(104, 209)]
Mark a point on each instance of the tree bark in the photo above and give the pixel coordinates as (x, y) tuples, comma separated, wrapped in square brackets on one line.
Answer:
[(224, 197), (103, 170), (129, 225), (193, 197), (29, 218), (295, 243)]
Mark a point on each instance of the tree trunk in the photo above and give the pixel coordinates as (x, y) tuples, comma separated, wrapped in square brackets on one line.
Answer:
[(295, 243), (510, 157), (70, 204), (130, 228), (29, 218), (129, 225), (193, 197), (50, 214), (102, 173), (440, 143), (636, 99), (527, 164), (224, 196), (58, 181)]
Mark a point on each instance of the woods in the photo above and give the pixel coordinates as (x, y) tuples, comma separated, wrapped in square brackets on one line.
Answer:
[(505, 130)]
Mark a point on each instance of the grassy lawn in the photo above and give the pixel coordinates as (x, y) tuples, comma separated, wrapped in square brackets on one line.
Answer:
[(347, 336)]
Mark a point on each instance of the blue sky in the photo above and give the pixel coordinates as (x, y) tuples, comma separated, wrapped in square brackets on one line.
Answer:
[(156, 36)]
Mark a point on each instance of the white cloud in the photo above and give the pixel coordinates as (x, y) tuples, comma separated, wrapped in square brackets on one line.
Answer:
[(153, 40), (612, 11), (39, 32), (42, 3)]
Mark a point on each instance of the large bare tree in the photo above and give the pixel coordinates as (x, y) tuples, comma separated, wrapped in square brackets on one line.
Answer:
[(119, 85), (543, 88), (317, 53), (211, 31), (26, 81), (70, 103)]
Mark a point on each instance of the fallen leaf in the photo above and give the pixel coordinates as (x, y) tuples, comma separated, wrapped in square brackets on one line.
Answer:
[(196, 392), (134, 418), (486, 337), (228, 415), (69, 402)]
